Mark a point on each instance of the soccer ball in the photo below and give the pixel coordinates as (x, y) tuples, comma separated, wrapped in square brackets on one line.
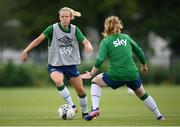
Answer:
[(66, 112)]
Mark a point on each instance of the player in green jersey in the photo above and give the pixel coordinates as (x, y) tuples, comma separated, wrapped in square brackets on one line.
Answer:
[(118, 48), (63, 55)]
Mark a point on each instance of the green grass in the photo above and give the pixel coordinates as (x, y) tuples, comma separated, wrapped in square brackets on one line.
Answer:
[(38, 106)]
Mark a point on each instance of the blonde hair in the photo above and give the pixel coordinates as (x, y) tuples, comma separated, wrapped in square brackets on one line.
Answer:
[(112, 25), (72, 12)]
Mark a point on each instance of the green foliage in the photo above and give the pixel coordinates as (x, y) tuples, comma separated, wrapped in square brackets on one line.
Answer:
[(35, 75), (12, 75), (162, 17), (139, 18), (22, 75), (156, 74), (159, 74), (176, 73)]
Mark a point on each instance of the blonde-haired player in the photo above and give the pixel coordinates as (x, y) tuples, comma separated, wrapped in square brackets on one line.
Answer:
[(64, 55)]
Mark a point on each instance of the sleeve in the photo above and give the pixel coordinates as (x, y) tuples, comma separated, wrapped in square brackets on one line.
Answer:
[(48, 32), (138, 51), (80, 37), (101, 55)]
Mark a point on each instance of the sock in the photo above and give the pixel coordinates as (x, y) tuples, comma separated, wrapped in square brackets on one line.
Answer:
[(95, 95), (64, 92), (151, 104), (83, 103)]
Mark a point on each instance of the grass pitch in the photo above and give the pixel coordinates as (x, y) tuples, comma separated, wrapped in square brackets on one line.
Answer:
[(38, 107)]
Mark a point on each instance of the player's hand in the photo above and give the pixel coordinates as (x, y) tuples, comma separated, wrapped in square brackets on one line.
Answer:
[(86, 75), (88, 48), (24, 56), (144, 69)]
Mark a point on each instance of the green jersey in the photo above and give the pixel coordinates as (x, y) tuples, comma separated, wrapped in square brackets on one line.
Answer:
[(119, 51)]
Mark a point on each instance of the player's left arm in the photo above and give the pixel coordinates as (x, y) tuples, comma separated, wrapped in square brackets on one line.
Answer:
[(102, 54), (86, 43), (140, 54)]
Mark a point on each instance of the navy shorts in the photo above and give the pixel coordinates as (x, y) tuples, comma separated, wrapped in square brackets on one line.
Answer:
[(134, 85), (68, 71)]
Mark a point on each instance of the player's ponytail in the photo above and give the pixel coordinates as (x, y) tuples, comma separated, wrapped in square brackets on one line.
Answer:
[(72, 12)]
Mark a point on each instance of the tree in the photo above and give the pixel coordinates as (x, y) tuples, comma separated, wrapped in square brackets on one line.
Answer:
[(162, 17), (139, 17), (12, 33)]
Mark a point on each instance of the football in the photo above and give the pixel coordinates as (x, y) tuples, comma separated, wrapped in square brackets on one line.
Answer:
[(66, 112)]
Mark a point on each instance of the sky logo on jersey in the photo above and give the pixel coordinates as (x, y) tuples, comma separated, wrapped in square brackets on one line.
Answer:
[(66, 51), (122, 42)]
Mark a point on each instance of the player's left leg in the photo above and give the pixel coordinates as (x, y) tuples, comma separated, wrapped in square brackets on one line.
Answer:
[(77, 83), (73, 75), (149, 102), (138, 88)]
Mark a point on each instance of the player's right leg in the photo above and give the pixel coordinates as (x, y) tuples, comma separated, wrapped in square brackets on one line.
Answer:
[(58, 77)]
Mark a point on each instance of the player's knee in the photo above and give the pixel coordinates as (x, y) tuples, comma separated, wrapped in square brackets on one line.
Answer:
[(94, 80), (80, 91), (58, 82)]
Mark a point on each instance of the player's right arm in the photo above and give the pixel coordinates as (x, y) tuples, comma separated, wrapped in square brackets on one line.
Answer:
[(33, 44), (46, 34), (102, 54)]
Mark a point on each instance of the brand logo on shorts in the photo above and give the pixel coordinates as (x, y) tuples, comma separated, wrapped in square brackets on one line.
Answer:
[(78, 72), (53, 69)]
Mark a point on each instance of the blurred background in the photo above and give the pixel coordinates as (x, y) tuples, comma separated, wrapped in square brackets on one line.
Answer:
[(153, 24)]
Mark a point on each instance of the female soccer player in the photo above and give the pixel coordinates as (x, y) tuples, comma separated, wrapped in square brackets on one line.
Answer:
[(63, 55), (118, 48)]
